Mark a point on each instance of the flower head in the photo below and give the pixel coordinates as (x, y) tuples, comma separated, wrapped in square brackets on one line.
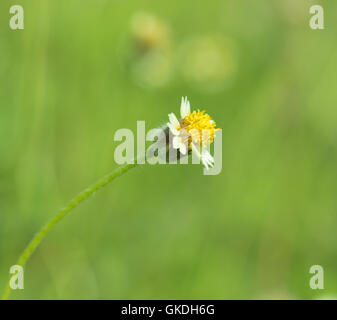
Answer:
[(193, 131)]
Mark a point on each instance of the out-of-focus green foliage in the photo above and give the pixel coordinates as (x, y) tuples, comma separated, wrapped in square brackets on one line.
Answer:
[(82, 69)]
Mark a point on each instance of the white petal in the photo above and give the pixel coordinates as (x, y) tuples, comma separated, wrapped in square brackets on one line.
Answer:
[(182, 148), (185, 108), (173, 119), (207, 159), (205, 165), (195, 150), (173, 129), (182, 107), (176, 142), (207, 155), (188, 107)]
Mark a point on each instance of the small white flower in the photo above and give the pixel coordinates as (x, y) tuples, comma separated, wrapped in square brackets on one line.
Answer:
[(188, 132)]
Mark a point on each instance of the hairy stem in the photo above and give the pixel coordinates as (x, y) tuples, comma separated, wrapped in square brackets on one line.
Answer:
[(27, 253)]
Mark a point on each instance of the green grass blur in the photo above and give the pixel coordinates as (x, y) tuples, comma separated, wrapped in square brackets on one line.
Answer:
[(82, 69)]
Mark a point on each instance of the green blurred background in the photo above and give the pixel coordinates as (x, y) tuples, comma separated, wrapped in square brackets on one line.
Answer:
[(82, 69)]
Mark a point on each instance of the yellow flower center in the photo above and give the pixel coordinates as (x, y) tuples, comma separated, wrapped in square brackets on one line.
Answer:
[(200, 127)]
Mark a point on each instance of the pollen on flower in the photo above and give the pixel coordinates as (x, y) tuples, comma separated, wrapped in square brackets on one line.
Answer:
[(200, 127)]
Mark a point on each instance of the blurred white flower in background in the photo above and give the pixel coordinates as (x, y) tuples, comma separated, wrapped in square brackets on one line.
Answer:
[(152, 61), (149, 31)]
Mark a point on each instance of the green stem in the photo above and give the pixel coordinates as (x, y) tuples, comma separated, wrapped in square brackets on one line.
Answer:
[(65, 211)]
